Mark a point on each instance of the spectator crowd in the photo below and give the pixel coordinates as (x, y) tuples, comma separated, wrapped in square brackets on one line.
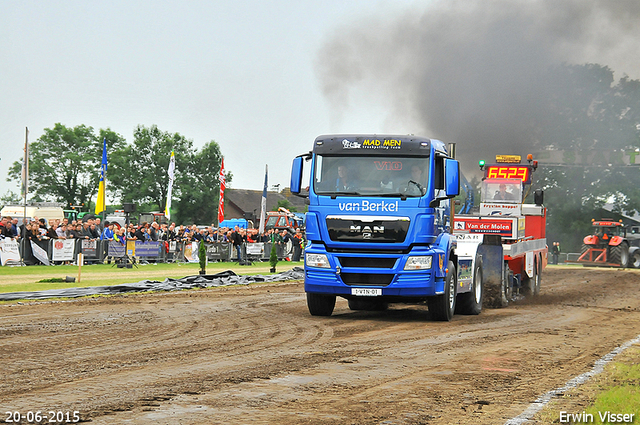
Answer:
[(38, 230)]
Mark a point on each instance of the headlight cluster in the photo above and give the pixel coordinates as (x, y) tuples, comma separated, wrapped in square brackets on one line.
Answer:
[(419, 263), (317, 260)]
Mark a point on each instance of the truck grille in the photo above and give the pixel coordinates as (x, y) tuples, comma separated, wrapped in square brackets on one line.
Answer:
[(371, 262), (367, 229), (366, 279)]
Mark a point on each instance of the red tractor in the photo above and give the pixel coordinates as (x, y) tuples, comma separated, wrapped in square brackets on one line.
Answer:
[(607, 246)]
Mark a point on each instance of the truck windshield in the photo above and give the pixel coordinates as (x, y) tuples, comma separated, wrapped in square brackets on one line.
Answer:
[(371, 175), (502, 190)]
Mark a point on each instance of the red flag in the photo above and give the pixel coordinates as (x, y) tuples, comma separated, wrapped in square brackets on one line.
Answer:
[(222, 187)]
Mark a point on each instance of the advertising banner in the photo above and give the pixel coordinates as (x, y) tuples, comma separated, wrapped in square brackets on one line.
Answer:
[(131, 248), (90, 248), (9, 251), (39, 253), (147, 249), (63, 250), (191, 252), (256, 249), (116, 249), (507, 227)]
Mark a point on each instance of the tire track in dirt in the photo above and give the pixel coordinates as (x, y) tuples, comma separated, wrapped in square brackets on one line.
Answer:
[(254, 355)]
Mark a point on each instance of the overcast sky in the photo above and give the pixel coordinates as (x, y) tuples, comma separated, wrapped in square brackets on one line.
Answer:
[(264, 78), (238, 72)]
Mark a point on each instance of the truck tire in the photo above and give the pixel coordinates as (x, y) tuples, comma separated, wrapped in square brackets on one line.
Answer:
[(367, 305), (634, 259), (471, 302), (538, 279), (620, 254), (531, 285), (498, 294), (442, 307), (320, 304)]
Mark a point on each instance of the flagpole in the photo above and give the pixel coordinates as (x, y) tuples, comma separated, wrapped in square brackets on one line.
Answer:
[(263, 201), (25, 189)]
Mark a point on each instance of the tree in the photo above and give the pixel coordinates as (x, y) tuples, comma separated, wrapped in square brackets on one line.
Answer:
[(10, 198), (198, 202), (285, 203), (594, 122), (64, 163), (138, 172)]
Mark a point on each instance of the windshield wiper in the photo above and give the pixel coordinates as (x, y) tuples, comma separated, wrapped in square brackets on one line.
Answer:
[(343, 193), (402, 196)]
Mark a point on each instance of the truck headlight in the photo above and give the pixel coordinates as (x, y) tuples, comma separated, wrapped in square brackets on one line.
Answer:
[(317, 260), (418, 263)]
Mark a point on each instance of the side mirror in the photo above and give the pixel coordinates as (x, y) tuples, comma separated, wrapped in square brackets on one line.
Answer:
[(538, 197), (452, 177), (296, 175), (451, 182)]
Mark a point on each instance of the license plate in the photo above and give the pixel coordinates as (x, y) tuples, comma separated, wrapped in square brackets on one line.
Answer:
[(366, 292)]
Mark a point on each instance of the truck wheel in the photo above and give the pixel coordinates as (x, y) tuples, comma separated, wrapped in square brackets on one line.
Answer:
[(620, 254), (634, 259), (531, 285), (497, 293), (471, 302), (320, 304), (367, 305), (441, 307), (538, 277), (507, 287)]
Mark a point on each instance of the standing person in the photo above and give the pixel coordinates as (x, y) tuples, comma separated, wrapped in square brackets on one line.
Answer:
[(555, 252), (154, 231), (61, 231), (107, 233), (95, 234), (51, 232), (283, 240), (71, 232), (236, 239), (140, 233), (298, 243), (85, 231)]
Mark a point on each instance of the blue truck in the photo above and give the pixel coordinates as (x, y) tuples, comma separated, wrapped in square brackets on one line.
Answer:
[(379, 226)]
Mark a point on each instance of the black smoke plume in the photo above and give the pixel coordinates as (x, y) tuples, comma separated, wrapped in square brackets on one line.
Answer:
[(475, 72)]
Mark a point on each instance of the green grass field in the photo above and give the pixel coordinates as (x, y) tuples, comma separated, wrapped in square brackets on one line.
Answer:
[(18, 279), (615, 390)]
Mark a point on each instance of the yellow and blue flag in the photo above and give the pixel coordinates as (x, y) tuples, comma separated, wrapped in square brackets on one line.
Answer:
[(101, 202)]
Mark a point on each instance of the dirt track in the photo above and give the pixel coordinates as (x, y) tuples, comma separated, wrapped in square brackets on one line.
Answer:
[(253, 355)]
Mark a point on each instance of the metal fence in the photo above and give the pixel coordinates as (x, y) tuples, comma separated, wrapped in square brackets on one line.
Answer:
[(58, 251)]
